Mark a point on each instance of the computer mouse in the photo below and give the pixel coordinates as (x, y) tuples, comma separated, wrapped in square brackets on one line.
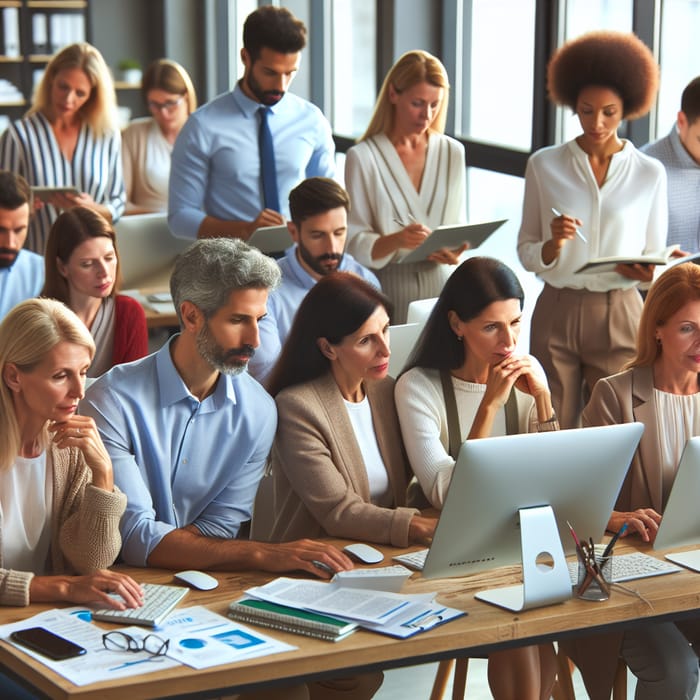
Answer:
[(197, 579), (365, 553)]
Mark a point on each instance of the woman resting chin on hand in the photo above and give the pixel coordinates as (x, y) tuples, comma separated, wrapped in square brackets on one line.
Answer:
[(60, 510)]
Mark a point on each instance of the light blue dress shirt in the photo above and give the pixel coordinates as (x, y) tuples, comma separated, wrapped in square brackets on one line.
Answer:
[(283, 303), (178, 460), (23, 280), (215, 167)]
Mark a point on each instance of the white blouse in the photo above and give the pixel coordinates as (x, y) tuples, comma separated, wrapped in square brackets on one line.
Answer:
[(678, 418), (360, 415), (25, 513)]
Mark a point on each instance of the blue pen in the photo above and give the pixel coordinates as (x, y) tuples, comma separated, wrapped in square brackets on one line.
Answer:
[(578, 231), (608, 550)]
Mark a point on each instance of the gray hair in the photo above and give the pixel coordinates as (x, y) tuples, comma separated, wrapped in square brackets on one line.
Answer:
[(210, 269)]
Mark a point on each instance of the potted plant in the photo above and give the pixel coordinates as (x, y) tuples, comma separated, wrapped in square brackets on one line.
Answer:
[(130, 71)]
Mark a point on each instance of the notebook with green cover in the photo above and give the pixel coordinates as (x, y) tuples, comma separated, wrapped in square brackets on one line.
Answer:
[(288, 619)]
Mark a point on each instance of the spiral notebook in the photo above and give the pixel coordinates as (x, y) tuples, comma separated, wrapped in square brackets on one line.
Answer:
[(281, 617)]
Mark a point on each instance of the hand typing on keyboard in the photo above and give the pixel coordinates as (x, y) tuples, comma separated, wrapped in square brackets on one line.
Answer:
[(94, 589)]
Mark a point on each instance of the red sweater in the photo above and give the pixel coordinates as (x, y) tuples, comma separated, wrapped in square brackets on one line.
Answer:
[(130, 330)]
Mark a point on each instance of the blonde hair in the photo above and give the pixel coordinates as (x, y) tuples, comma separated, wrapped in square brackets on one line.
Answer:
[(169, 76), (671, 291), (28, 332), (99, 112), (412, 68)]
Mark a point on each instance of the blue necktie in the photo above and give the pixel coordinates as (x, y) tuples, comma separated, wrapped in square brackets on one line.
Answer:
[(267, 163)]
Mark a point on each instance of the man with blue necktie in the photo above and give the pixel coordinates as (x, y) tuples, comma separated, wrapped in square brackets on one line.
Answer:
[(237, 157)]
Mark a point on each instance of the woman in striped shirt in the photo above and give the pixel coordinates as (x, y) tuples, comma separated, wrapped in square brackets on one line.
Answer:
[(68, 138)]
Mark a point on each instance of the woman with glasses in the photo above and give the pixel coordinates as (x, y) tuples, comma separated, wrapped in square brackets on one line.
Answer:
[(148, 142), (68, 139)]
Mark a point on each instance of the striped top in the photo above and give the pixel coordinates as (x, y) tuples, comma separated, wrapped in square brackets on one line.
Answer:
[(29, 148)]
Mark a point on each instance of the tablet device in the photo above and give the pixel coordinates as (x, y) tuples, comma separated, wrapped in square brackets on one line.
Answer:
[(452, 237), (271, 239), (38, 191)]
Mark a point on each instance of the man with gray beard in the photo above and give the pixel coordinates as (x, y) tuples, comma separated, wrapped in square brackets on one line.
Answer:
[(189, 431)]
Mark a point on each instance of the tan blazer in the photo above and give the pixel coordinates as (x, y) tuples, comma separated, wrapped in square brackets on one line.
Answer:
[(319, 482), (621, 398), (624, 398)]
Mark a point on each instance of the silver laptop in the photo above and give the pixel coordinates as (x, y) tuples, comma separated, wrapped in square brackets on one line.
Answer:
[(147, 250)]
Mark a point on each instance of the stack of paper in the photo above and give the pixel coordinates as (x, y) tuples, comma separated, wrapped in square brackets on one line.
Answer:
[(393, 614)]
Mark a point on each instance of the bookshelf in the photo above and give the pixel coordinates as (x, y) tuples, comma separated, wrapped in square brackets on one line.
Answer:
[(31, 31)]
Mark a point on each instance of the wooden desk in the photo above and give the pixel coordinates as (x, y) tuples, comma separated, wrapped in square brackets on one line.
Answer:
[(484, 629)]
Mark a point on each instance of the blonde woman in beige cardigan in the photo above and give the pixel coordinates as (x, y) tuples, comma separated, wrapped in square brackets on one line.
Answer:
[(59, 509)]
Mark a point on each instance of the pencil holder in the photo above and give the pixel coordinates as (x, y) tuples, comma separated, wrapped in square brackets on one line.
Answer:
[(594, 577)]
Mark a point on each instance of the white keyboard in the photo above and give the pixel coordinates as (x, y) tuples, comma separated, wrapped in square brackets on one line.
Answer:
[(414, 560), (159, 600), (627, 567)]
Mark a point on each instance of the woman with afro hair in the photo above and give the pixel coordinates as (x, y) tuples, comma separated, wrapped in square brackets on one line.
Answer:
[(609, 199)]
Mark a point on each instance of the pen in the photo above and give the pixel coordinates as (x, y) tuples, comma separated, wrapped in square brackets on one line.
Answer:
[(608, 550), (578, 231)]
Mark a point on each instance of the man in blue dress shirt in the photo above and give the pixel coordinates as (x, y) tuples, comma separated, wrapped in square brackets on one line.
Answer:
[(188, 430), (216, 177), (319, 209), (679, 151), (21, 271)]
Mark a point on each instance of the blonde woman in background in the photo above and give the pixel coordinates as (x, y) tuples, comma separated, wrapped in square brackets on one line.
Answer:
[(68, 138), (147, 143), (405, 178)]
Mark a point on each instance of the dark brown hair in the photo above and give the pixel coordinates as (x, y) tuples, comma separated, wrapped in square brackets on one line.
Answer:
[(617, 60), (316, 195), (335, 307), (273, 28), (73, 227)]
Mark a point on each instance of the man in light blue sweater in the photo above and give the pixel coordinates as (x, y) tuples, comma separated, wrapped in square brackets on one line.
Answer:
[(319, 210), (679, 151)]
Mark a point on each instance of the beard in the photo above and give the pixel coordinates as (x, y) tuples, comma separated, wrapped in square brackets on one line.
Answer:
[(223, 360), (316, 263), (8, 256), (264, 97)]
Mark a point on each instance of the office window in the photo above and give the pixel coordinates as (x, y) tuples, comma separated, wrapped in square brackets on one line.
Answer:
[(580, 16), (354, 57), (680, 57), (495, 100)]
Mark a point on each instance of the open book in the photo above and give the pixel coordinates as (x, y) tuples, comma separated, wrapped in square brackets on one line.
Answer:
[(608, 264)]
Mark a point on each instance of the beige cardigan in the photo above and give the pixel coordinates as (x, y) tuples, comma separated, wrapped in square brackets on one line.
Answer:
[(319, 483), (84, 526)]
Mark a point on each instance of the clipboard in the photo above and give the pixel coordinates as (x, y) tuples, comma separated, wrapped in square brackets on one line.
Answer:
[(453, 237), (271, 239)]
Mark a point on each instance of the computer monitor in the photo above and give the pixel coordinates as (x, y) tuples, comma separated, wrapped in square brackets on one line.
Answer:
[(402, 340), (419, 310), (147, 250), (497, 482), (680, 524)]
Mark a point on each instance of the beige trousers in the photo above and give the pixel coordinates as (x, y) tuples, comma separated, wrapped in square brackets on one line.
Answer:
[(579, 337)]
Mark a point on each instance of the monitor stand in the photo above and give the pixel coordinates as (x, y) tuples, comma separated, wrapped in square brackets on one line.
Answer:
[(542, 584)]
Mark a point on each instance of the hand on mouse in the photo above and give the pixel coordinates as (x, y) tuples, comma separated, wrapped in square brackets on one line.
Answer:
[(303, 555)]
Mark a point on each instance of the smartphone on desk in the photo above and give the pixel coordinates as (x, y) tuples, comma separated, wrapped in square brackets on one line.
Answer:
[(47, 643)]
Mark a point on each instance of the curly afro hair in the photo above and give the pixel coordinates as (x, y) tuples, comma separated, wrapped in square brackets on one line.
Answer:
[(620, 61)]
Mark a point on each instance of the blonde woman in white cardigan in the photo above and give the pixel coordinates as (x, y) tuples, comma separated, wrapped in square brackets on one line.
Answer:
[(59, 508), (406, 178)]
